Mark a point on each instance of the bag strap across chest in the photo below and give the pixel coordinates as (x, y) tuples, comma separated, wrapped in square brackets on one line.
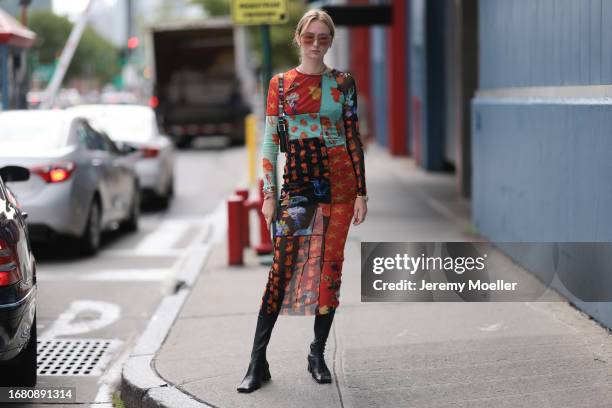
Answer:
[(282, 120)]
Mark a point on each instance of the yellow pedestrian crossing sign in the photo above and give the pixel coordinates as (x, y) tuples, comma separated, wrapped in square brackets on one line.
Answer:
[(255, 12)]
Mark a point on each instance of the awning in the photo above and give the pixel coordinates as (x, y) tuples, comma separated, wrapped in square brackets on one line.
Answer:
[(13, 33)]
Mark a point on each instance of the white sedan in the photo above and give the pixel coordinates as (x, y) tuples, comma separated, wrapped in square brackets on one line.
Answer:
[(136, 125)]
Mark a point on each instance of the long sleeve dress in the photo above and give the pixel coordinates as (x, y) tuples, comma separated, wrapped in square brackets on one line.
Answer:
[(323, 174)]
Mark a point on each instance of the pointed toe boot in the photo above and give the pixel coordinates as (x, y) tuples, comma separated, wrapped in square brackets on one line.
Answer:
[(259, 369), (257, 373), (316, 359)]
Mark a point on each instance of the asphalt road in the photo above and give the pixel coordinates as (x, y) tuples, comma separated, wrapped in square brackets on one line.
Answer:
[(92, 310)]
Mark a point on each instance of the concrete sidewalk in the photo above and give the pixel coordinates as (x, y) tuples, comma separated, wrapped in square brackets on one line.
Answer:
[(389, 354)]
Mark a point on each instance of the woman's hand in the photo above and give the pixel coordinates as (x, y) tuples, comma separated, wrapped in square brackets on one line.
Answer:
[(268, 210), (360, 211)]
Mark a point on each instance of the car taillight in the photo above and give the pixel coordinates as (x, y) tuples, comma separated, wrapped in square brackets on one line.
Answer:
[(149, 152), (154, 102), (9, 266), (55, 173)]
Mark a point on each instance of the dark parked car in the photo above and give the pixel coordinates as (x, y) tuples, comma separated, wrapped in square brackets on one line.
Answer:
[(17, 289)]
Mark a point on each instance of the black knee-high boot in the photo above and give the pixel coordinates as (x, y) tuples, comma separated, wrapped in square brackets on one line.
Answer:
[(316, 360), (259, 370)]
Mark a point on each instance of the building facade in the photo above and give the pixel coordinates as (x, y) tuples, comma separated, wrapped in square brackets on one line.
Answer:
[(514, 97)]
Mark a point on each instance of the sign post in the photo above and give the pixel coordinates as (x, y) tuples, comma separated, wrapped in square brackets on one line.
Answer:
[(262, 13)]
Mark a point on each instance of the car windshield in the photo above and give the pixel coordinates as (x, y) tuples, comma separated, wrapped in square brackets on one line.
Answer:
[(126, 126), (32, 131)]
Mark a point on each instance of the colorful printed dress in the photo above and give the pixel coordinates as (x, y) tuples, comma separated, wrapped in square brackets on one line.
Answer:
[(324, 172)]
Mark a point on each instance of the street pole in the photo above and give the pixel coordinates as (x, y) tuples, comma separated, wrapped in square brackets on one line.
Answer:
[(129, 30), (24, 11), (65, 58), (266, 71), (4, 65)]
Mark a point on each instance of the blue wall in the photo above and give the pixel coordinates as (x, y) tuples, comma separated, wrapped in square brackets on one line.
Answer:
[(378, 73), (427, 77), (542, 167), (417, 66), (542, 171), (545, 42)]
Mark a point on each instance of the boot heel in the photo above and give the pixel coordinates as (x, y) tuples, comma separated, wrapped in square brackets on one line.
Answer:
[(266, 375)]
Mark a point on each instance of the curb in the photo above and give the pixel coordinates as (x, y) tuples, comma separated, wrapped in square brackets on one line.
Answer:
[(141, 385)]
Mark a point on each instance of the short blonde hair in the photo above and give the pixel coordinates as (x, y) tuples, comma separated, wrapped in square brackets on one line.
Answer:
[(309, 17)]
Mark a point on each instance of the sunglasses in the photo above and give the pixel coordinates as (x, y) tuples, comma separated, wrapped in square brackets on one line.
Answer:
[(308, 39)]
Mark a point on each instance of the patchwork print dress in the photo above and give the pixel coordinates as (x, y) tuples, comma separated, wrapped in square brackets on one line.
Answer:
[(324, 172)]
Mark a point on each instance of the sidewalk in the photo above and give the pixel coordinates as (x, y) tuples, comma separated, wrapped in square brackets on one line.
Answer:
[(389, 354)]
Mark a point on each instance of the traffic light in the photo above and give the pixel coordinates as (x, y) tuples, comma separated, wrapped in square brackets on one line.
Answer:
[(133, 42)]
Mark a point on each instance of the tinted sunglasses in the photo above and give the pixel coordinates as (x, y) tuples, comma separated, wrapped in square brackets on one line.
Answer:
[(323, 39)]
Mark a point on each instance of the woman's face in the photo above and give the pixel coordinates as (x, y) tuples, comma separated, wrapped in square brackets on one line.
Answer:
[(315, 40)]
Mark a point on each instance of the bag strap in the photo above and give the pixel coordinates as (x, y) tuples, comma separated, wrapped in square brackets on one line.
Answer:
[(281, 97)]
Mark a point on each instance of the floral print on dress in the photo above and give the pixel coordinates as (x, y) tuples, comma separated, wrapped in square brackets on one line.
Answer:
[(324, 171)]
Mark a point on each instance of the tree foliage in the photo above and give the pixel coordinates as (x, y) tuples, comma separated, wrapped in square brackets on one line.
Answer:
[(284, 54), (94, 58), (214, 7)]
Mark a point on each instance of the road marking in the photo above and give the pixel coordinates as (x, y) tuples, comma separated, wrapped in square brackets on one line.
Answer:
[(162, 238), (131, 253), (67, 325), (109, 275), (110, 381)]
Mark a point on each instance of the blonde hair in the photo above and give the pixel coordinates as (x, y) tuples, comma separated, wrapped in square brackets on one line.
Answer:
[(309, 17)]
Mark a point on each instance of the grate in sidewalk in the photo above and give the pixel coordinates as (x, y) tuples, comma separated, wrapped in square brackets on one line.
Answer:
[(75, 357)]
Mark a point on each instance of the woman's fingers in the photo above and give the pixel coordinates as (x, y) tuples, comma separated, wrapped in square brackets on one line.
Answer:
[(357, 216)]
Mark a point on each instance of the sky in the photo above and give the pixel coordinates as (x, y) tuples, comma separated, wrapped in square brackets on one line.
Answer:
[(74, 7)]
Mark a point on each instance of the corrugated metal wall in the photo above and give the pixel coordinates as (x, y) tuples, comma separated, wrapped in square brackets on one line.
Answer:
[(545, 43), (542, 164)]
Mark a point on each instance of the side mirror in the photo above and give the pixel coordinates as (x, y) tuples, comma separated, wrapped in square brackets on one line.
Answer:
[(126, 148), (14, 173)]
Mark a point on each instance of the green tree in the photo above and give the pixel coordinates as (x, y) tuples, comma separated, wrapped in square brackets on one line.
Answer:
[(94, 58), (284, 54), (214, 7)]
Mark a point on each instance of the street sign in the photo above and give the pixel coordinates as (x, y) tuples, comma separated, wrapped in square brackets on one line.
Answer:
[(256, 12)]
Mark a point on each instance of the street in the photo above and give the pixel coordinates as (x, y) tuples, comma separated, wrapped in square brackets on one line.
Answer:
[(108, 299)]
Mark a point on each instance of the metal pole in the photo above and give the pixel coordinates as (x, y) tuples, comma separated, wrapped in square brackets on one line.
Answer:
[(24, 11), (4, 64), (129, 28), (65, 58), (266, 72)]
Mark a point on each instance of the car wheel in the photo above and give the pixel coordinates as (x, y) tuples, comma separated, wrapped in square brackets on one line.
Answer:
[(131, 223), (163, 202), (182, 142), (170, 192), (90, 241), (23, 367)]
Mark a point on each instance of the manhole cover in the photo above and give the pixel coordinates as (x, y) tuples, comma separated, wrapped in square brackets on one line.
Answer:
[(75, 356)]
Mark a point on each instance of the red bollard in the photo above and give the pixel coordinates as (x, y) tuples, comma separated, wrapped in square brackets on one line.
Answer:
[(265, 246), (246, 229), (234, 231)]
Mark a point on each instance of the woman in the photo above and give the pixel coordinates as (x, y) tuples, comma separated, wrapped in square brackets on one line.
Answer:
[(323, 190)]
